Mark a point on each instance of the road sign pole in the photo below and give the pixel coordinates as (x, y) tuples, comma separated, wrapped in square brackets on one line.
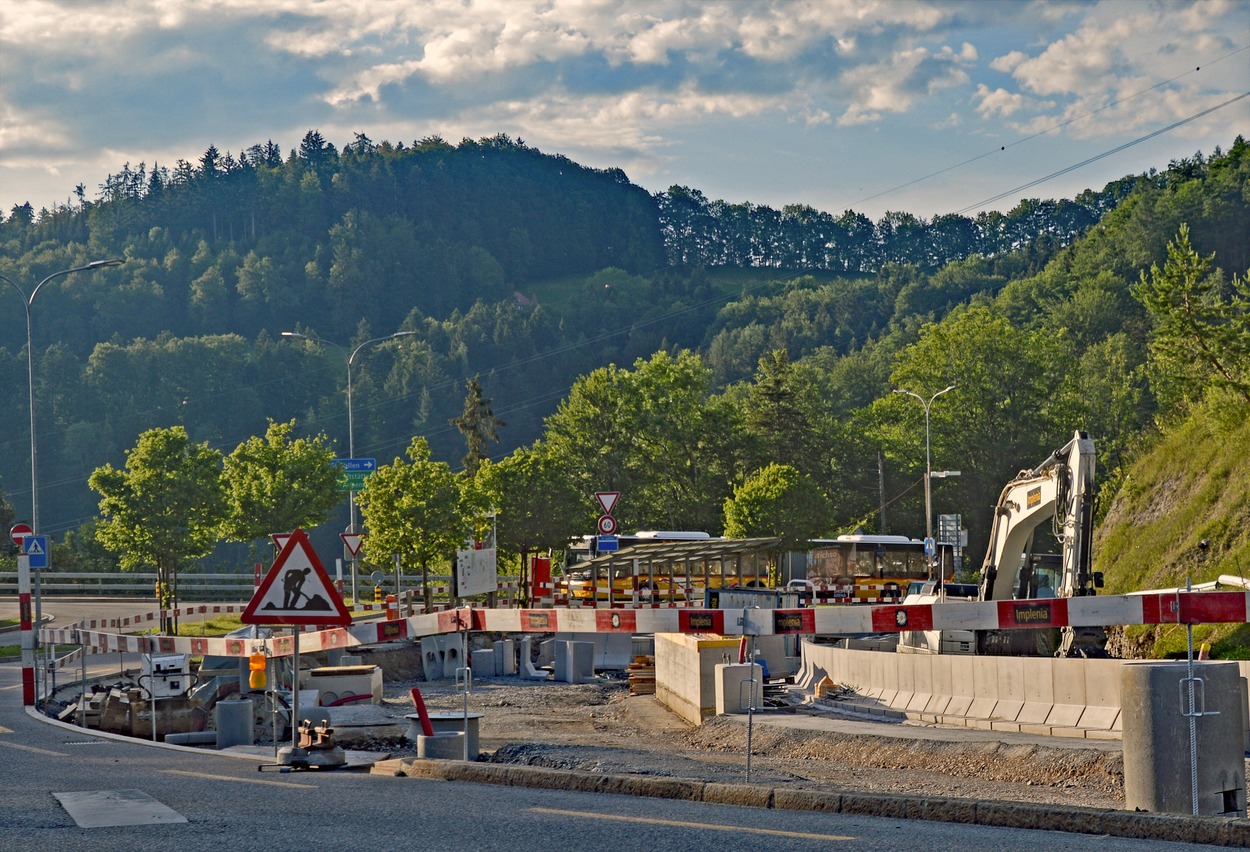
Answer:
[(28, 646)]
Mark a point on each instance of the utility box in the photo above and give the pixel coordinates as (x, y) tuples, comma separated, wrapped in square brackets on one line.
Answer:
[(1154, 700), (165, 675)]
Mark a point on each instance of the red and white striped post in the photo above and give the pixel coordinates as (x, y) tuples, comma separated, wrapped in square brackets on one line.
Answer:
[(28, 633)]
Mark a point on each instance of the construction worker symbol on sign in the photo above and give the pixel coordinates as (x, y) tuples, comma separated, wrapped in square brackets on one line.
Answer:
[(292, 582)]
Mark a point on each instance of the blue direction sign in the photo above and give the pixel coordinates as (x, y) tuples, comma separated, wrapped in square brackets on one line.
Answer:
[(37, 550), (354, 472), (368, 465), (607, 544)]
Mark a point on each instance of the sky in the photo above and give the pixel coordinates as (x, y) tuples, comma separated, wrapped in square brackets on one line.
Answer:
[(923, 106)]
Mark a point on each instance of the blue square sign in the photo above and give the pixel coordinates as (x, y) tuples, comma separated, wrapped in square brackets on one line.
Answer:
[(37, 550)]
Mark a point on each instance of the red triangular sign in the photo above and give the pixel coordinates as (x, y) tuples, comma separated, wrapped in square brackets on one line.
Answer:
[(607, 499), (352, 541), (305, 594)]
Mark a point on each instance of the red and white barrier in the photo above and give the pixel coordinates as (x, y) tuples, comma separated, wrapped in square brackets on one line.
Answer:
[(1155, 608)]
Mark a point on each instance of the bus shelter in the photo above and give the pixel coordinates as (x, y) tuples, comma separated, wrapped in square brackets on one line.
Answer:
[(674, 570)]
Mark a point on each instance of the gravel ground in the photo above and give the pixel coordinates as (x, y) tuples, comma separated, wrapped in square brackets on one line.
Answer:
[(602, 728)]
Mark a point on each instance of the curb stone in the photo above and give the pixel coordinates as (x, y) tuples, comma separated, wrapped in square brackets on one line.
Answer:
[(1214, 831)]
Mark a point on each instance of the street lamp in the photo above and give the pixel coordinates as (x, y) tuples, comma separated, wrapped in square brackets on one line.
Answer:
[(351, 432), (27, 301), (928, 467)]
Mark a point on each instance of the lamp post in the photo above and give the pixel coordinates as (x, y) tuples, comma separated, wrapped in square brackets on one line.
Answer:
[(928, 467), (28, 681), (351, 431)]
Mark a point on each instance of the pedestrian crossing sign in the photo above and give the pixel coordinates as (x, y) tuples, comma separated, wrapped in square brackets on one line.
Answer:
[(297, 590)]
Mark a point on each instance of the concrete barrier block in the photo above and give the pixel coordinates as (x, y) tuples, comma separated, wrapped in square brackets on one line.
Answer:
[(483, 662), (960, 704), (918, 702), (1065, 715), (981, 707), (1068, 677), (938, 703), (1006, 710), (1010, 673), (453, 653), (1033, 713), (505, 658), (432, 657), (739, 686), (1099, 718)]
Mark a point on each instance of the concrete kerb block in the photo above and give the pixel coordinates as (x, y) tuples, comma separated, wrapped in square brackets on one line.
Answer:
[(683, 789), (741, 795), (807, 800), (876, 804), (937, 809)]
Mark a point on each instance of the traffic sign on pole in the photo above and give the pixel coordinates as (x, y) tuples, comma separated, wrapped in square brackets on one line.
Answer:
[(607, 499), (607, 525), (305, 595), (36, 547), (18, 533)]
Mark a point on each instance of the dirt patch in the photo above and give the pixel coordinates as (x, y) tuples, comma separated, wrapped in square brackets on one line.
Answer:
[(601, 728)]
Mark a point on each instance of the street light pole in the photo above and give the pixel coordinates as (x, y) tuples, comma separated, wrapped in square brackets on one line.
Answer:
[(928, 464), (350, 359), (29, 687)]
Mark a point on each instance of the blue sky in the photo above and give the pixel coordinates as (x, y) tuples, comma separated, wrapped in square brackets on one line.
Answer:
[(873, 105)]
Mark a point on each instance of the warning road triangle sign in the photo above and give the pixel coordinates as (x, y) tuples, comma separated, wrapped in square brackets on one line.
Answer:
[(304, 594), (607, 499), (352, 541)]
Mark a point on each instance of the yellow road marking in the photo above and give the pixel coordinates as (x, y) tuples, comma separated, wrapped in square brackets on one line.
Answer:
[(240, 780), (772, 832), (4, 730), (32, 748)]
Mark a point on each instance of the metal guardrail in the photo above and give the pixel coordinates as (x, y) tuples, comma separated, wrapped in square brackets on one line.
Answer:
[(199, 587)]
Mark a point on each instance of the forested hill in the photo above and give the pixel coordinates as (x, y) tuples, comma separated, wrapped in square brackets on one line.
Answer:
[(530, 272)]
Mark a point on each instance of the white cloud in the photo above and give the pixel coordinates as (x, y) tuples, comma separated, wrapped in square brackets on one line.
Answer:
[(895, 86), (997, 101)]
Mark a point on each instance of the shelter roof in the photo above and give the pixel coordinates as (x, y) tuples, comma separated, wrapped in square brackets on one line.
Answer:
[(711, 549)]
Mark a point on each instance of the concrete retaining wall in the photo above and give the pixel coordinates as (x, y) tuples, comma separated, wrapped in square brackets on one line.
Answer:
[(1034, 695), (685, 672)]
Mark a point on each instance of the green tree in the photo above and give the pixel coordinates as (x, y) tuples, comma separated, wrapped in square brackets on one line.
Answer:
[(275, 484), (1202, 326), (784, 415), (656, 434), (1014, 402), (479, 426), (537, 506), (778, 501), (418, 511), (166, 507)]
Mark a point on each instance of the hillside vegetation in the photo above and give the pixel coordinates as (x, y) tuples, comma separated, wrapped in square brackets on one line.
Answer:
[(579, 335), (1182, 513)]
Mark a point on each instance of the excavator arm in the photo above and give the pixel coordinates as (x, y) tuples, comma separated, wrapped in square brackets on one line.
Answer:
[(1060, 490)]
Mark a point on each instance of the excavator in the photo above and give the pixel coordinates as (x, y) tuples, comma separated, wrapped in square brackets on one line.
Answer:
[(1059, 490)]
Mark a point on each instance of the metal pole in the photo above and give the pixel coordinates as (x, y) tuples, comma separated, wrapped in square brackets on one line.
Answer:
[(928, 475), (27, 303)]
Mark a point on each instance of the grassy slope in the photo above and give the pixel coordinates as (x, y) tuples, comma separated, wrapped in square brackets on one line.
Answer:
[(1193, 485)]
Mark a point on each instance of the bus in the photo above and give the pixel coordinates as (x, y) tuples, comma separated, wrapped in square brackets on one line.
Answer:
[(870, 568)]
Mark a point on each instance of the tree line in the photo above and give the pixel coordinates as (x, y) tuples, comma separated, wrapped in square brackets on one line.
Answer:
[(685, 388)]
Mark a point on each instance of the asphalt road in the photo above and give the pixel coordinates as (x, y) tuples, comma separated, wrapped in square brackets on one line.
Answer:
[(55, 779)]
